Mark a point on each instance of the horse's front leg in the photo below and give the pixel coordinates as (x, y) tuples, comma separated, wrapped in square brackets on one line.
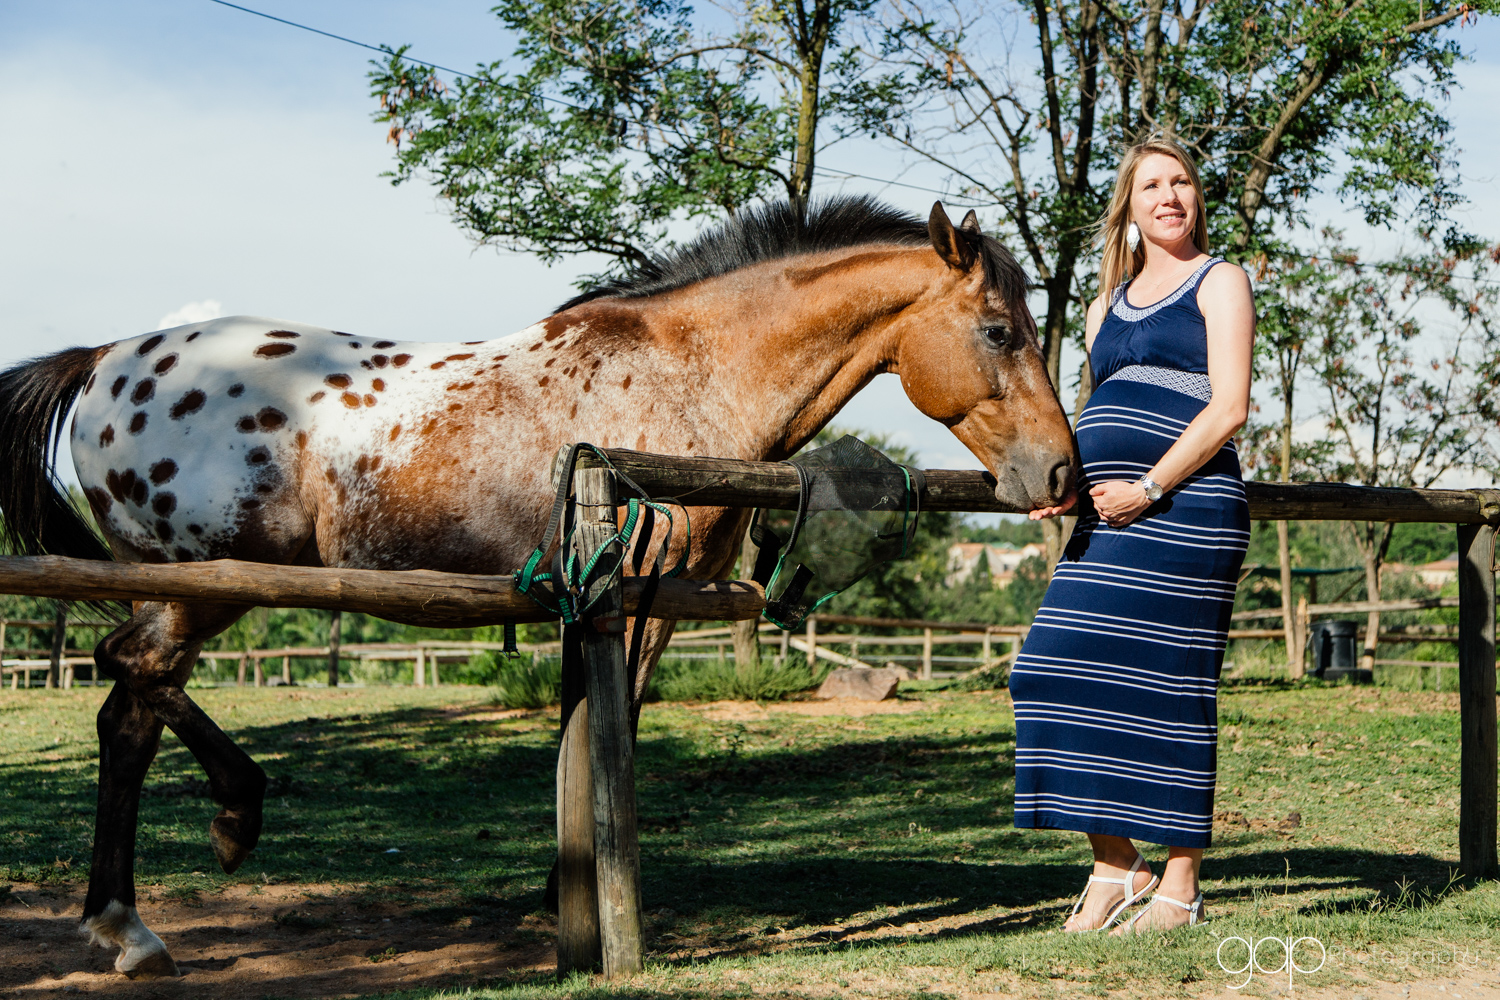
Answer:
[(150, 658)]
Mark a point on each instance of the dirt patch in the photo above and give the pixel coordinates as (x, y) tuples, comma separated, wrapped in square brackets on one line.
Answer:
[(277, 940), (749, 711)]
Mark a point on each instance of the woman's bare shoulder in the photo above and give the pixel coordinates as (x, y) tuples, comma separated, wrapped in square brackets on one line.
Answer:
[(1225, 278)]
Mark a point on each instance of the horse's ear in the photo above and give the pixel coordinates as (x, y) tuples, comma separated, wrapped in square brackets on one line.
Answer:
[(970, 225), (953, 246)]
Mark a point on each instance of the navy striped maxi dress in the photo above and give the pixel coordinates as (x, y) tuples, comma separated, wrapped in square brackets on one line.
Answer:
[(1115, 687)]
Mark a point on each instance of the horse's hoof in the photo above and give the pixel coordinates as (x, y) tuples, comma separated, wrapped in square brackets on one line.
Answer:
[(233, 837), (154, 965), (142, 953)]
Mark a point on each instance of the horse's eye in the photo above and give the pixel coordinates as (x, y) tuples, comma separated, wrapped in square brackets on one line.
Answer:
[(997, 335)]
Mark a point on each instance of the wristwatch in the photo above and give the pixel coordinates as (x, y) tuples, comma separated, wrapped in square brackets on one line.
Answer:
[(1152, 488)]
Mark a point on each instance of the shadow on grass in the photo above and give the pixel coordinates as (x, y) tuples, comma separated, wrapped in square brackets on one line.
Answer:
[(468, 806)]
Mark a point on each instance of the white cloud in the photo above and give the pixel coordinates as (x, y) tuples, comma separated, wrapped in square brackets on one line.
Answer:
[(191, 312)]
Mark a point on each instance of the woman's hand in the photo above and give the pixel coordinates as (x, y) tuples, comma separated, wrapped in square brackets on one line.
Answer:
[(1119, 502), (1062, 508)]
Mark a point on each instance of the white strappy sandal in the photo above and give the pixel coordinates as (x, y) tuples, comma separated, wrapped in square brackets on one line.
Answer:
[(1126, 883), (1194, 910)]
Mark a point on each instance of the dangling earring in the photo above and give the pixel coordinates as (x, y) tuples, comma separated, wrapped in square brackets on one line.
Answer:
[(1133, 237)]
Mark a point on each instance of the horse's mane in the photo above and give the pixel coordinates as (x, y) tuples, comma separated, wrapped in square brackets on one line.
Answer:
[(773, 230)]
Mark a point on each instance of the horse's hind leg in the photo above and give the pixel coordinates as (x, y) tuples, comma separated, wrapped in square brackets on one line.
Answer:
[(129, 734), (150, 658)]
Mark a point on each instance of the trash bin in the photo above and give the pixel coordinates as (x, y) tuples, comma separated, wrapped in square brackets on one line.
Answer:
[(1335, 651)]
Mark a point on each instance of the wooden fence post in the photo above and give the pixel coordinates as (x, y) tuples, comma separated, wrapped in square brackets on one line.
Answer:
[(419, 669), (59, 643), (335, 630), (260, 673), (611, 744), (286, 670), (1476, 687), (239, 679), (578, 945), (927, 654)]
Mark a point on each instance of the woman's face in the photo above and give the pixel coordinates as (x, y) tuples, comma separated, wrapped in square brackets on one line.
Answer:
[(1162, 200)]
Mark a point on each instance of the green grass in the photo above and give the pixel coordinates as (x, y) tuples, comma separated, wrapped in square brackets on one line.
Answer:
[(791, 855)]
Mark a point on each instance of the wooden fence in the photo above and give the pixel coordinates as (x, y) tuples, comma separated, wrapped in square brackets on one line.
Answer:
[(598, 852)]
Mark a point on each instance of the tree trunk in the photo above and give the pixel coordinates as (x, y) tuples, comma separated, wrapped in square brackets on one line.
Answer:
[(746, 633), (1288, 619), (1283, 544), (59, 644), (1372, 586), (335, 627)]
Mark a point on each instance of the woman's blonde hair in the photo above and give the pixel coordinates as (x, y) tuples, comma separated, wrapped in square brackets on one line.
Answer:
[(1119, 264)]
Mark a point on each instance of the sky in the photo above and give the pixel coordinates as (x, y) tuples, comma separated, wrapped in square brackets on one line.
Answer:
[(170, 160)]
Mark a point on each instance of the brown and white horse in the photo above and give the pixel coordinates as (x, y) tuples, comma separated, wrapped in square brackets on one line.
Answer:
[(245, 438)]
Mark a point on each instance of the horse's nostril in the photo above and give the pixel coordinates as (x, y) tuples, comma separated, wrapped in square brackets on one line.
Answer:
[(1062, 478)]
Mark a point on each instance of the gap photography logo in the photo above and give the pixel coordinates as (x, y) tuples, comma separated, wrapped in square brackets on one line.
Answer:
[(1294, 956)]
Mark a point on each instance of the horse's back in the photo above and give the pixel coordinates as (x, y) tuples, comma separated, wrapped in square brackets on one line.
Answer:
[(241, 436)]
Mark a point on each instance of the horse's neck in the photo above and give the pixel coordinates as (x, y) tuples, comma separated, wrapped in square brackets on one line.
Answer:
[(792, 341)]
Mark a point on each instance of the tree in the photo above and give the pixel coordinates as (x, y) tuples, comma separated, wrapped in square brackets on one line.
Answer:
[(1406, 364), (615, 117), (1024, 108), (1292, 290)]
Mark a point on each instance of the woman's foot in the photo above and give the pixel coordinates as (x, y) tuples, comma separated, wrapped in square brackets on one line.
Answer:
[(1102, 900), (1165, 912)]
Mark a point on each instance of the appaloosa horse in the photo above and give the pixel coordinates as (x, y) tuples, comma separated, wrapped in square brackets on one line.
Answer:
[(246, 438)]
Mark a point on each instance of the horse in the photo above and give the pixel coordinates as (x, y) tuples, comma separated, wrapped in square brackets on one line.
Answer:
[(255, 439)]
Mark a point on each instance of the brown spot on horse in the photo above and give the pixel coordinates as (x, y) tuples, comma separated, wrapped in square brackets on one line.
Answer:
[(283, 334), (274, 350), (316, 396), (350, 400), (163, 471), (339, 381), (119, 383), (138, 422), (245, 425), (401, 360), (143, 391), (149, 345), (438, 364), (270, 418), (107, 436), (380, 360), (382, 344), (378, 385), (259, 455), (165, 365), (237, 390), (191, 402), (164, 503)]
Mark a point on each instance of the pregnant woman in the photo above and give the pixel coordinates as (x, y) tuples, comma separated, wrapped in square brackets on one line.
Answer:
[(1114, 691)]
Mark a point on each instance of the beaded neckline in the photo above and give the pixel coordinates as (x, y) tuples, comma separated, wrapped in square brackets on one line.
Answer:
[(1123, 309)]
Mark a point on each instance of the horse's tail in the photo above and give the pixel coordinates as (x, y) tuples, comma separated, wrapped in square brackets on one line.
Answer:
[(35, 398)]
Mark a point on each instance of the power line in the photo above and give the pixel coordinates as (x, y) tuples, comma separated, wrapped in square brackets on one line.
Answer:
[(825, 171)]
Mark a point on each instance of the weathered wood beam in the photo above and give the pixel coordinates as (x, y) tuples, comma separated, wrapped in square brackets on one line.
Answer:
[(414, 597), (727, 482), (617, 852), (1476, 702)]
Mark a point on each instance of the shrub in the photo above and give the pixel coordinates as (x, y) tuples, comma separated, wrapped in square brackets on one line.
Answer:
[(681, 679)]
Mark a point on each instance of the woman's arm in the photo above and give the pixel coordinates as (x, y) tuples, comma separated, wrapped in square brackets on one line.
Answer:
[(1229, 316)]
